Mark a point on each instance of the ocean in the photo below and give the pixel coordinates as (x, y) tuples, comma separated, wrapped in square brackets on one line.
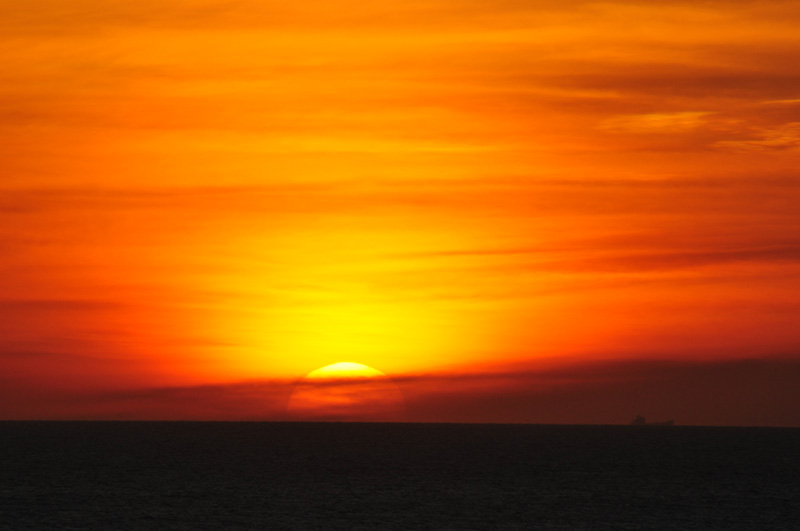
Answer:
[(350, 476)]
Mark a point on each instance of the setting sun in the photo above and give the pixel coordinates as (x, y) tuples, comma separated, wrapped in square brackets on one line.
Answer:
[(344, 370), (346, 391)]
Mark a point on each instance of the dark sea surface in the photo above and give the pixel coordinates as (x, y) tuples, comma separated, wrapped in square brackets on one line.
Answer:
[(238, 475)]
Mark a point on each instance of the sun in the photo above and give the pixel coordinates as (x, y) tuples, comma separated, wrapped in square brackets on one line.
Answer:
[(346, 391), (345, 369)]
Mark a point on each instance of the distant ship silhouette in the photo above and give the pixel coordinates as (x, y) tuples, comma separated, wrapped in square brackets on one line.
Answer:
[(640, 421)]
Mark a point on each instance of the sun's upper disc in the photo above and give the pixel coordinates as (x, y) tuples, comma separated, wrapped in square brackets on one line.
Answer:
[(345, 369)]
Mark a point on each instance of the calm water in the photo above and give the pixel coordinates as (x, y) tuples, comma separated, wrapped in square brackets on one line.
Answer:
[(173, 475)]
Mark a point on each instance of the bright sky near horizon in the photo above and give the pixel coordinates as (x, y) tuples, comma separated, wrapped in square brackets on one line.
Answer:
[(520, 211)]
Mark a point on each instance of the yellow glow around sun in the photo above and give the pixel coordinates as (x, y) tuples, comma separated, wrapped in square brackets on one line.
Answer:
[(346, 391)]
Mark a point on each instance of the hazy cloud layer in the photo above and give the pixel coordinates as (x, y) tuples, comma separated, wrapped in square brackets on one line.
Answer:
[(759, 392)]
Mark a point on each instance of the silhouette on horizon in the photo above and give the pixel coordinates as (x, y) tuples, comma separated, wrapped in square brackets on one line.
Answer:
[(640, 421)]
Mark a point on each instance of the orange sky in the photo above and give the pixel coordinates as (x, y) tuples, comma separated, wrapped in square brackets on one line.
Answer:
[(520, 212)]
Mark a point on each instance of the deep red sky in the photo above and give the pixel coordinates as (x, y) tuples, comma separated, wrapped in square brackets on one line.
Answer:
[(519, 212)]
